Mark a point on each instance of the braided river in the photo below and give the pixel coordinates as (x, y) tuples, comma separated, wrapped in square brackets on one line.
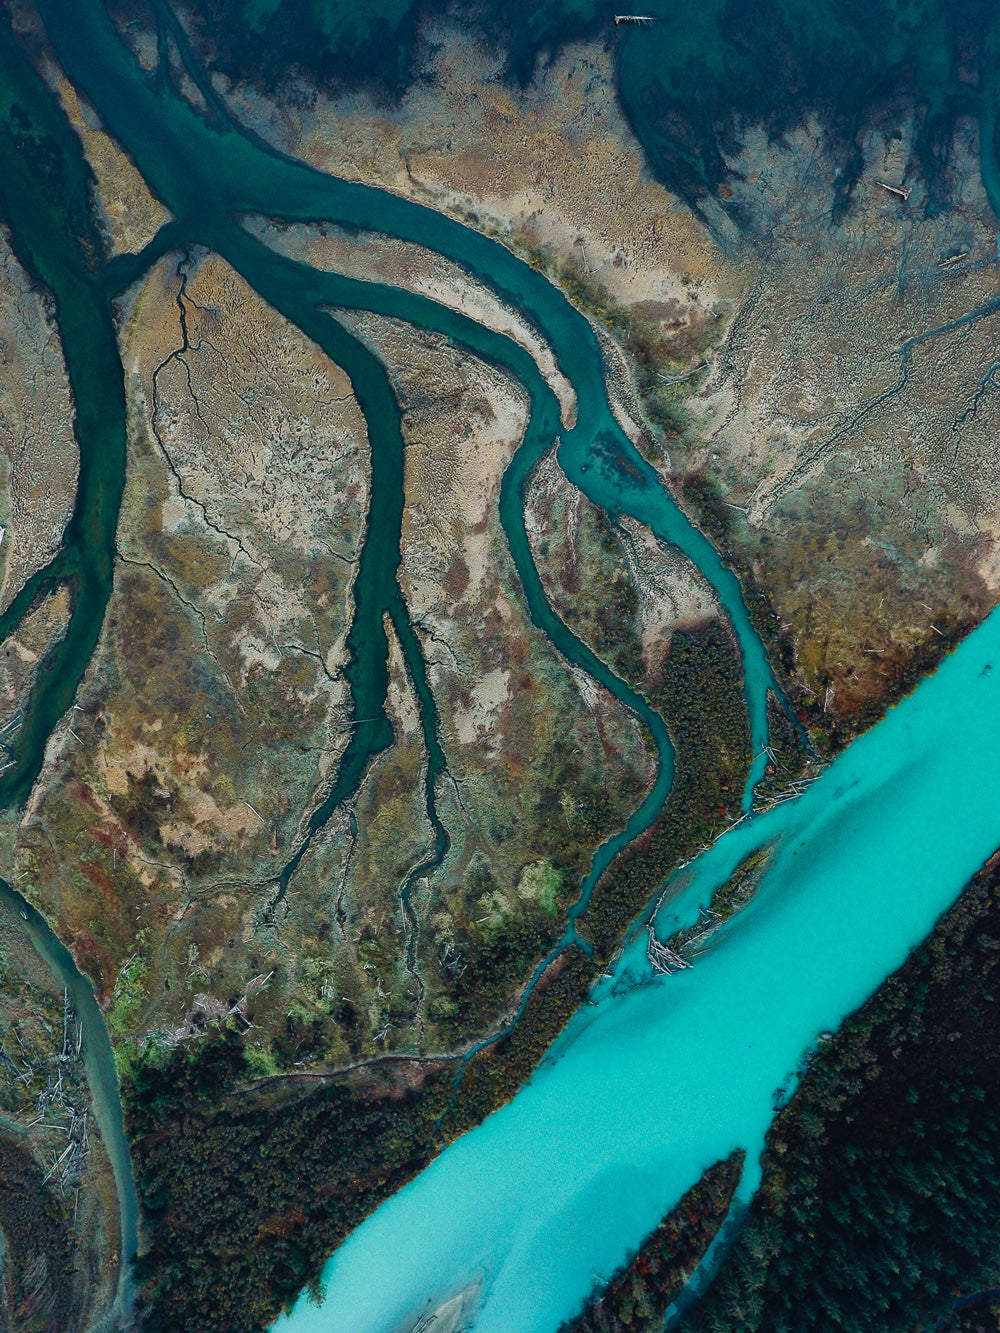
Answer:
[(660, 1076)]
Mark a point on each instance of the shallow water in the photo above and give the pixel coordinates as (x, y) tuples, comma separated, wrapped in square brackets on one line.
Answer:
[(666, 1075), (662, 1076), (206, 174), (102, 1080)]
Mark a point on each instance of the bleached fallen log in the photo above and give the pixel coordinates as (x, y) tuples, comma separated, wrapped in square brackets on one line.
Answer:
[(661, 957)]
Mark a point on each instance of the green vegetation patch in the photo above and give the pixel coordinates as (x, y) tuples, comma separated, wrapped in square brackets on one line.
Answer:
[(39, 1267), (880, 1203), (245, 1194), (636, 1298), (128, 997), (701, 697), (540, 883)]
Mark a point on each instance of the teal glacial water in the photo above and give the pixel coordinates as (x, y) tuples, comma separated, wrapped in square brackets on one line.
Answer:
[(665, 1075), (208, 172), (660, 1076), (41, 220), (102, 1078)]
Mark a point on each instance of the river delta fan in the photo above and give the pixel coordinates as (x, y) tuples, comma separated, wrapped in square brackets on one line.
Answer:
[(466, 497)]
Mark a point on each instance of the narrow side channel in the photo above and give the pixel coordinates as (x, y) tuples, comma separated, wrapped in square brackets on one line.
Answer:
[(47, 214), (296, 290), (220, 169)]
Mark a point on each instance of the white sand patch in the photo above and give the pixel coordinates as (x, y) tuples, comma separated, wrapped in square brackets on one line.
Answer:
[(475, 725)]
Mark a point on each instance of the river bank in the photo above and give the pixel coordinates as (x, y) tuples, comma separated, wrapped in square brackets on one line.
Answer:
[(839, 884), (125, 796), (417, 894), (862, 542)]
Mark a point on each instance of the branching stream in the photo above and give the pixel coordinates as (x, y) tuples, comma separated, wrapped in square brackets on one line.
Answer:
[(209, 172)]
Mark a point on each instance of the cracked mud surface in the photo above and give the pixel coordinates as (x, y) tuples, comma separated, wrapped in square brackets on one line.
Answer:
[(213, 717), (130, 216), (214, 711), (515, 739), (851, 411), (818, 385), (38, 454), (20, 657), (834, 378), (832, 421), (645, 590), (400, 264)]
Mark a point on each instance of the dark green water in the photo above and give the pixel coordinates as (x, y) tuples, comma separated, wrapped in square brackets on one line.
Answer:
[(40, 201), (43, 203), (102, 1078), (683, 82), (376, 588), (701, 63), (208, 173), (202, 173), (296, 289)]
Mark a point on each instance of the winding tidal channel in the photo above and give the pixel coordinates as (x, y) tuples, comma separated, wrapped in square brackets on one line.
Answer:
[(662, 1076), (665, 1075)]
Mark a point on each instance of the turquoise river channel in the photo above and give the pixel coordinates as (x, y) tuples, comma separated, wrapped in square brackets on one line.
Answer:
[(659, 1076)]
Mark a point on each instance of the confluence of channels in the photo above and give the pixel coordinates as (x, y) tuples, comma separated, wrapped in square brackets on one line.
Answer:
[(173, 158)]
